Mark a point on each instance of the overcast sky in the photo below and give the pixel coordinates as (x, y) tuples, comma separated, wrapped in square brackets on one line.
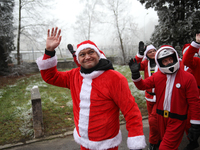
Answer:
[(67, 11)]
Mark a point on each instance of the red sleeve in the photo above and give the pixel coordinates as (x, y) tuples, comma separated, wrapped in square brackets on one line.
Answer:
[(145, 84), (188, 57), (126, 102), (193, 99), (54, 77), (139, 59), (46, 56)]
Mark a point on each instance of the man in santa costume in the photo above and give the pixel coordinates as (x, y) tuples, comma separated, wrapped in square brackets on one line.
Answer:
[(191, 60), (98, 93), (176, 92), (148, 65)]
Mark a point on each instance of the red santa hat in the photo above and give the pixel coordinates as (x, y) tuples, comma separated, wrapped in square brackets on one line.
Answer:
[(88, 44)]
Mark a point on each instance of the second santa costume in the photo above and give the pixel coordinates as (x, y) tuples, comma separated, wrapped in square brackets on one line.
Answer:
[(175, 94)]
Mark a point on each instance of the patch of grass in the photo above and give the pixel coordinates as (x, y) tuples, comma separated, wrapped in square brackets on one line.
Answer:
[(16, 110)]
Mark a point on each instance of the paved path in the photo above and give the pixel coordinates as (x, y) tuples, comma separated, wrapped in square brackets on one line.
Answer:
[(68, 143)]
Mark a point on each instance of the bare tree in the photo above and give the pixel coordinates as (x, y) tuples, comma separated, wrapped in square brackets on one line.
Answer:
[(87, 19), (31, 21), (119, 15)]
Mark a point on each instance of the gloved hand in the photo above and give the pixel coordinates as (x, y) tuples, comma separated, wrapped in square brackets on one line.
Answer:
[(135, 68), (71, 49), (194, 132), (141, 48)]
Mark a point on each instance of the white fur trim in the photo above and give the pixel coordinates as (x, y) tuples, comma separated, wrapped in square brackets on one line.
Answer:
[(98, 145), (92, 75), (47, 63), (168, 91), (149, 47), (84, 107), (185, 49), (195, 122), (84, 46), (151, 99), (85, 102), (140, 56), (136, 142), (137, 80), (196, 45)]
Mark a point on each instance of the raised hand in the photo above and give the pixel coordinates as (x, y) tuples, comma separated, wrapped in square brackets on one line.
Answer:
[(141, 48), (53, 39), (71, 49), (135, 68)]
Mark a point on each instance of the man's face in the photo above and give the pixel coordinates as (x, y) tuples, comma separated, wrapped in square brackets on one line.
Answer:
[(167, 60), (88, 58), (151, 53)]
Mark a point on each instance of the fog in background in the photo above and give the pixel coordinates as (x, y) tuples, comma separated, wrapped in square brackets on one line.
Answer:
[(63, 14)]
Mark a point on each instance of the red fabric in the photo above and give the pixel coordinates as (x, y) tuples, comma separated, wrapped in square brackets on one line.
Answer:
[(46, 56), (186, 45), (87, 42), (193, 63), (154, 137), (183, 98), (104, 120), (172, 132)]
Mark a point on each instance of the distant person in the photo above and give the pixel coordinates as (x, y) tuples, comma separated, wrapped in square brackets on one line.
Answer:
[(148, 65), (176, 92), (98, 93)]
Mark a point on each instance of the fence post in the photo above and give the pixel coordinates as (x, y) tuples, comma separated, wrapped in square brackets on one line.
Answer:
[(37, 112)]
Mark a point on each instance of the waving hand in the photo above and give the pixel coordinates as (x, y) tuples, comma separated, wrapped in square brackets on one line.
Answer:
[(53, 39)]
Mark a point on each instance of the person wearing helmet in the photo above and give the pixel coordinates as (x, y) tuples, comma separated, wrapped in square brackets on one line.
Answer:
[(176, 93), (148, 65)]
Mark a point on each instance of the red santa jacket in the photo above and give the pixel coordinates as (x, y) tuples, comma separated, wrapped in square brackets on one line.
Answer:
[(175, 93), (193, 62), (145, 66), (97, 98)]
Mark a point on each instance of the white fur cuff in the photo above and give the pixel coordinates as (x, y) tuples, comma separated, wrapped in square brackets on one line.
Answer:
[(136, 142), (194, 44), (47, 63), (136, 80), (195, 122)]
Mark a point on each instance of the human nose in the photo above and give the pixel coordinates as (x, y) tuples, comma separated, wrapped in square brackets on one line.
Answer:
[(87, 56)]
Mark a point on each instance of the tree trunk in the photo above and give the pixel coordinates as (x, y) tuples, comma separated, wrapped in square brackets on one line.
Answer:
[(18, 35)]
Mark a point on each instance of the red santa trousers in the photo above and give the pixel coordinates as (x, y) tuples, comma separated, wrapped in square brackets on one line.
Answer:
[(153, 124), (171, 131)]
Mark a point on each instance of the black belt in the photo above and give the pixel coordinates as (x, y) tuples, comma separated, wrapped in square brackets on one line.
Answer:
[(167, 114), (151, 93), (199, 87)]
